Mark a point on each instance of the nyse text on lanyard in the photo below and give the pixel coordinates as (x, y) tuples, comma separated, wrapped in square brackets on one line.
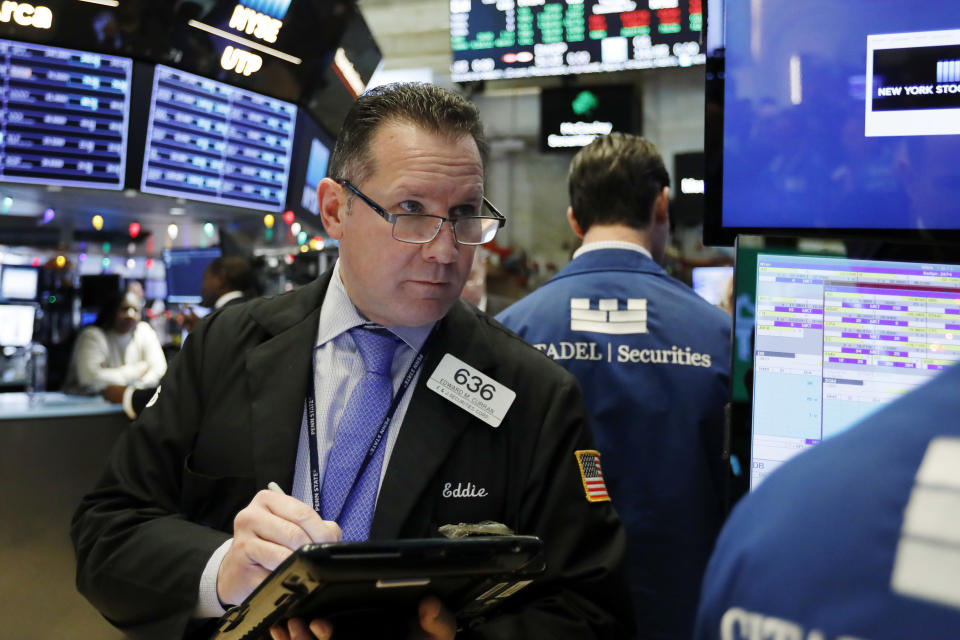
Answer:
[(381, 432)]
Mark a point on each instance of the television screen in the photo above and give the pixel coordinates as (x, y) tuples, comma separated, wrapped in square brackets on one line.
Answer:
[(855, 131), (65, 116), (154, 289), (18, 283), (713, 284), (96, 288), (16, 324), (571, 118), (344, 76), (836, 339), (308, 166), (185, 269), (494, 40), (275, 47), (210, 141)]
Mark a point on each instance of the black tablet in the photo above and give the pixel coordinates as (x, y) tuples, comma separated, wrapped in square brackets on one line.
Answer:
[(371, 589)]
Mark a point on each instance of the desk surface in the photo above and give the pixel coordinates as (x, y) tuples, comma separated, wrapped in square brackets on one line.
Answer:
[(53, 404)]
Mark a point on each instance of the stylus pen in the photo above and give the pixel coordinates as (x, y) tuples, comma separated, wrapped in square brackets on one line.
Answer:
[(273, 486)]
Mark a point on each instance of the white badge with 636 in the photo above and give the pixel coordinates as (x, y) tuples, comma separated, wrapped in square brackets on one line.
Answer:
[(471, 390)]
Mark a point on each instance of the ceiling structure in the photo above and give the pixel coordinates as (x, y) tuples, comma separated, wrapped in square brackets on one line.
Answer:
[(411, 34)]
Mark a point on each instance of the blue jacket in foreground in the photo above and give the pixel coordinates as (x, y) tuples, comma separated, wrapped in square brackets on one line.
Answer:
[(652, 358), (858, 537)]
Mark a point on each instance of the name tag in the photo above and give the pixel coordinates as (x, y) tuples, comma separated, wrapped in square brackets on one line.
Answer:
[(471, 390)]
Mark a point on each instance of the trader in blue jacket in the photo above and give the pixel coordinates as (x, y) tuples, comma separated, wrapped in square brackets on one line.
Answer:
[(652, 358), (857, 538)]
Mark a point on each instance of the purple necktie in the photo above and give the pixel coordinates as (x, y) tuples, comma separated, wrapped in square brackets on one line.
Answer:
[(345, 498)]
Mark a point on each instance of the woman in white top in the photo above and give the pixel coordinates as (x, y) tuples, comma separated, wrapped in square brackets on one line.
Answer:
[(117, 349)]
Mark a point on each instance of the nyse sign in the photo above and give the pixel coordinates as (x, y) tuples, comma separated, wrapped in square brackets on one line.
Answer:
[(257, 24), (26, 15)]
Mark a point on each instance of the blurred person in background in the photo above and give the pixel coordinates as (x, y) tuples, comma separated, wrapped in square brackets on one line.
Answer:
[(652, 358), (227, 281), (117, 349)]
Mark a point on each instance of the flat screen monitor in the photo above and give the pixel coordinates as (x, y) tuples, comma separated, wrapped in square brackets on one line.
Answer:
[(18, 283), (214, 142), (65, 116), (311, 154), (853, 132), (713, 284), (837, 339), (185, 269), (154, 289), (571, 118), (16, 324), (494, 40), (95, 289), (276, 47)]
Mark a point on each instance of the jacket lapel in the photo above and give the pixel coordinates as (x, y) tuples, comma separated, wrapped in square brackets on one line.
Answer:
[(432, 424), (278, 371)]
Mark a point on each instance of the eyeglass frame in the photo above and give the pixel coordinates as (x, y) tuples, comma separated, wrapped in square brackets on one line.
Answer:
[(393, 217)]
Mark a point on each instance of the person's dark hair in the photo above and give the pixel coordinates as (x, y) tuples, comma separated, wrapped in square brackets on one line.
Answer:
[(107, 312), (616, 180), (434, 109), (236, 272)]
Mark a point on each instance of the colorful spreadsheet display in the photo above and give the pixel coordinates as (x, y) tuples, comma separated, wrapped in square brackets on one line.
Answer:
[(524, 38), (64, 117), (211, 141), (837, 339)]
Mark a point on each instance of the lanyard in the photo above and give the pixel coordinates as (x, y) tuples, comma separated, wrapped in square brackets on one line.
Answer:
[(384, 425)]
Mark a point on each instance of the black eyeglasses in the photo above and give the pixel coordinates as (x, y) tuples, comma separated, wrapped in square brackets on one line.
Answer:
[(421, 228)]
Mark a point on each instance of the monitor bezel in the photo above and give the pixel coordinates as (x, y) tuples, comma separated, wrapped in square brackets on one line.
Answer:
[(177, 299), (22, 303)]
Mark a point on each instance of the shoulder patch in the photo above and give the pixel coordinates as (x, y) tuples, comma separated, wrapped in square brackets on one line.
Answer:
[(590, 473)]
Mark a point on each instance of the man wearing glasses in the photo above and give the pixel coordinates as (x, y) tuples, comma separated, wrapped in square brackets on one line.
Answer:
[(291, 389)]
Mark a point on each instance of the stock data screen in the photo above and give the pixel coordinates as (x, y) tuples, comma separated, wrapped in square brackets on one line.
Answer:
[(211, 141), (837, 339), (64, 117), (493, 39)]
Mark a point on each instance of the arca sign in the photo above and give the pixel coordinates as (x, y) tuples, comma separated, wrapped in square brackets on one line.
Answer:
[(26, 15)]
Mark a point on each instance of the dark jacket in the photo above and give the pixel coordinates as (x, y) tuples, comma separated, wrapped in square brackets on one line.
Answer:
[(227, 422), (653, 360)]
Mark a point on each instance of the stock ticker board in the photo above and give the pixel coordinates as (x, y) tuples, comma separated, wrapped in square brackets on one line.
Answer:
[(211, 141), (64, 117), (496, 39)]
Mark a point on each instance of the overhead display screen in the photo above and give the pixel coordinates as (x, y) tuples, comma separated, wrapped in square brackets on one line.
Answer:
[(493, 39), (64, 117), (855, 134), (210, 141)]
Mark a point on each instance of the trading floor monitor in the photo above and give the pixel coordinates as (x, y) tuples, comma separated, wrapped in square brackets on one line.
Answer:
[(837, 339), (16, 324)]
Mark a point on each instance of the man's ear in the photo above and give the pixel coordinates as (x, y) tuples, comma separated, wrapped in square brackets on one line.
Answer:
[(331, 196), (661, 208), (574, 225)]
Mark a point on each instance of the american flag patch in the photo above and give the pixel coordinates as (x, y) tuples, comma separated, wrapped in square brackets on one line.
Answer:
[(592, 476)]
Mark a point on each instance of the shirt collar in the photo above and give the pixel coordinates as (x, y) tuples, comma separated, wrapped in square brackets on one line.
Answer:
[(611, 244), (227, 297), (338, 314)]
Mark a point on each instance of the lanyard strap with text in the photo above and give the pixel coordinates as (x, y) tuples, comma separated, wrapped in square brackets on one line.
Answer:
[(384, 425)]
